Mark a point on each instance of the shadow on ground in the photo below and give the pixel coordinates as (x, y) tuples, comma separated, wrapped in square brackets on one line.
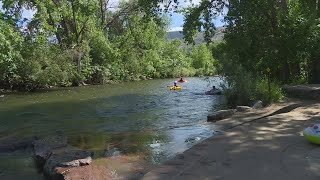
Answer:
[(269, 148)]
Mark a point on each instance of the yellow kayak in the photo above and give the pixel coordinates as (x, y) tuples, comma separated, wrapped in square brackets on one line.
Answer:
[(176, 88)]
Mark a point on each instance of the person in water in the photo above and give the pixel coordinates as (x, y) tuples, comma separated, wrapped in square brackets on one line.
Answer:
[(214, 91), (182, 80), (175, 84)]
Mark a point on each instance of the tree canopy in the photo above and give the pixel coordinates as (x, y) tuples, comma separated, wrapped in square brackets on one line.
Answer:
[(265, 40), (70, 42)]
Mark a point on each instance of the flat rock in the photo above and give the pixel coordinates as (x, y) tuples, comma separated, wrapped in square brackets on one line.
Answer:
[(89, 172), (67, 157), (243, 108), (219, 115)]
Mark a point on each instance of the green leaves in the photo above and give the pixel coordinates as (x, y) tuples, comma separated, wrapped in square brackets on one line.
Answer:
[(68, 42), (10, 45)]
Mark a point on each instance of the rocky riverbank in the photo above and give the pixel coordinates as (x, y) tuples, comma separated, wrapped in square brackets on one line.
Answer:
[(56, 159), (257, 144), (262, 144)]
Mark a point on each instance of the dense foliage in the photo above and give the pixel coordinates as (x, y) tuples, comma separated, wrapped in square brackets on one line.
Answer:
[(71, 42), (267, 43)]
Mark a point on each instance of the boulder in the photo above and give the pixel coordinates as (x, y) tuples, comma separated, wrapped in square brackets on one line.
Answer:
[(219, 115), (55, 157), (64, 158), (257, 105), (243, 108), (43, 148)]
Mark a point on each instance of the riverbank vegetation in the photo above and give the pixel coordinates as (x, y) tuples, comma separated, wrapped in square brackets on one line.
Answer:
[(266, 44), (75, 42)]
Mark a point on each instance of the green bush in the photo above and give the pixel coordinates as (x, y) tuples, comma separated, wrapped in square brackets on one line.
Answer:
[(243, 88), (240, 88), (267, 93)]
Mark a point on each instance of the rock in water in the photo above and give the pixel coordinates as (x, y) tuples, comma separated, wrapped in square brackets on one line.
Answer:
[(43, 148), (219, 115), (14, 144), (55, 157), (67, 157)]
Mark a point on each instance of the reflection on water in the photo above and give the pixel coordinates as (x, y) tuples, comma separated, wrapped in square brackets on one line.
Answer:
[(141, 119)]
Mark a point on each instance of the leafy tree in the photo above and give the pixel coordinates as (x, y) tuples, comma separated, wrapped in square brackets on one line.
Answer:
[(10, 57), (203, 60), (69, 42)]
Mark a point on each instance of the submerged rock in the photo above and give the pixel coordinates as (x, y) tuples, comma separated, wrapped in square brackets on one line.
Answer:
[(27, 114), (219, 115), (43, 148), (13, 144), (192, 139)]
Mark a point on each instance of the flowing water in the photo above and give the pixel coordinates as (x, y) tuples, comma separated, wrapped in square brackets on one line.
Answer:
[(137, 120)]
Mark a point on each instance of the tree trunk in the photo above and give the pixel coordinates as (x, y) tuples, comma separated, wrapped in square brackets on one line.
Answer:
[(273, 19), (286, 72), (284, 6), (77, 36), (75, 21), (314, 67), (103, 4), (79, 61)]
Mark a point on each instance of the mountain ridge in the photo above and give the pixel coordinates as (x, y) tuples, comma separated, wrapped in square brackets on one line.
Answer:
[(199, 38)]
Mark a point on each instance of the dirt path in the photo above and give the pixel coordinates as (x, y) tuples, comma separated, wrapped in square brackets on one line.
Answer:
[(257, 145)]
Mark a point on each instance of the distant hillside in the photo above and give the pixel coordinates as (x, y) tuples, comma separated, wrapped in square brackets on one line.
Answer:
[(175, 35), (199, 37)]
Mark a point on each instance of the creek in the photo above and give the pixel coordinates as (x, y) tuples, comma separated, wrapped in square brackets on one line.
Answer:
[(142, 122)]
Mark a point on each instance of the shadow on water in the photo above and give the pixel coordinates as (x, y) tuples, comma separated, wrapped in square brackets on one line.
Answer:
[(130, 118)]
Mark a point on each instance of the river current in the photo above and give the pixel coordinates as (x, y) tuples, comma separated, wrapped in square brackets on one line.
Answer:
[(142, 122)]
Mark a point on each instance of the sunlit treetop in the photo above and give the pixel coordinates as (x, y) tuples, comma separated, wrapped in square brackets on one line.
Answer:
[(199, 16)]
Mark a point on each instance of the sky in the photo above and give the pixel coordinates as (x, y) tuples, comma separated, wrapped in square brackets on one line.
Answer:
[(176, 19), (177, 22)]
